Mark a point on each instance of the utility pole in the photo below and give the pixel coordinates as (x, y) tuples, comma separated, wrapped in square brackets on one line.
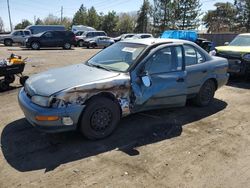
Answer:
[(34, 20), (61, 13), (9, 15)]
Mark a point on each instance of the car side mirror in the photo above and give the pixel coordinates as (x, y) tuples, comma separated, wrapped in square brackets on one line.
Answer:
[(226, 43)]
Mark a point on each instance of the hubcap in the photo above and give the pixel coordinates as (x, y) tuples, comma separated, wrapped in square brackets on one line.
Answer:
[(101, 119), (80, 43), (67, 45), (35, 45)]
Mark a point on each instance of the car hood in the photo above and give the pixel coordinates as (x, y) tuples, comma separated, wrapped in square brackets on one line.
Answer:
[(240, 49), (56, 80)]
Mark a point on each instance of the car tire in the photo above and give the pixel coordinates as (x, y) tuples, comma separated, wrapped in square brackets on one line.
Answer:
[(4, 85), (93, 45), (8, 42), (67, 46), (100, 118), (23, 79), (9, 78), (88, 46), (206, 94), (80, 43), (35, 45)]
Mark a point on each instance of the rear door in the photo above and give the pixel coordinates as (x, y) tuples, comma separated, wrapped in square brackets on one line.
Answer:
[(18, 37), (166, 71), (48, 39), (197, 69)]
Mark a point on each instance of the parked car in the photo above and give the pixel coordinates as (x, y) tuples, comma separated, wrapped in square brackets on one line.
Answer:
[(88, 34), (63, 39), (238, 54), (17, 36), (141, 36), (35, 29), (102, 41), (125, 78), (124, 36)]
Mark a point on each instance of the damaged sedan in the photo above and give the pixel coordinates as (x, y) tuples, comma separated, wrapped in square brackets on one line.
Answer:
[(128, 77)]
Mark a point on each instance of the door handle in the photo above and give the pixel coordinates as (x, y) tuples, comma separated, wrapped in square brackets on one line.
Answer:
[(204, 71), (180, 79)]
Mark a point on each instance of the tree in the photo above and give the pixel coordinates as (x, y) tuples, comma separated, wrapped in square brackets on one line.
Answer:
[(51, 20), (143, 17), (221, 19), (110, 22), (243, 15), (80, 17), (93, 18), (1, 25), (39, 22), (126, 23), (187, 13), (23, 24)]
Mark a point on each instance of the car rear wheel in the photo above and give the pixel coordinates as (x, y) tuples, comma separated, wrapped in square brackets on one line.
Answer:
[(206, 94), (8, 42), (35, 45), (100, 118), (67, 46), (80, 43)]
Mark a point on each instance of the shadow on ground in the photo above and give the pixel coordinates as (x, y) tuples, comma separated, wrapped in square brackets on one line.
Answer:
[(26, 149), (239, 82)]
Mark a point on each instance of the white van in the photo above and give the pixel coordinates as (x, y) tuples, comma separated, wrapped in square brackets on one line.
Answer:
[(76, 28)]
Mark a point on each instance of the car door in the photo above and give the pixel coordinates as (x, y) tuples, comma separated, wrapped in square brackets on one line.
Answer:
[(197, 69), (165, 73), (18, 37), (48, 39)]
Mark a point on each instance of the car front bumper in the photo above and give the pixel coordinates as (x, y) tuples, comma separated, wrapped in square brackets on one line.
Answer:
[(32, 110)]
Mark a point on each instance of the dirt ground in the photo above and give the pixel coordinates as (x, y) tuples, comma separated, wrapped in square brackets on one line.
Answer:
[(182, 147)]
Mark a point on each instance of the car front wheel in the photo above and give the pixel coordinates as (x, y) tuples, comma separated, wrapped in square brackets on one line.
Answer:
[(80, 43), (100, 118), (8, 42), (206, 94)]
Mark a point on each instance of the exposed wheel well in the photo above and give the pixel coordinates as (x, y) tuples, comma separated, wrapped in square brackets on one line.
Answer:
[(8, 39), (104, 94)]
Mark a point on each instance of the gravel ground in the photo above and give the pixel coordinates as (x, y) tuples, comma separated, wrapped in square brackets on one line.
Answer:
[(181, 147)]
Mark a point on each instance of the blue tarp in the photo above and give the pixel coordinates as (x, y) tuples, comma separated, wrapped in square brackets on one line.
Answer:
[(180, 34)]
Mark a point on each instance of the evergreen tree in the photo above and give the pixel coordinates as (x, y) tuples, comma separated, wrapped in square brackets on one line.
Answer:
[(188, 12), (39, 22), (23, 24), (109, 22), (143, 17), (80, 17), (125, 24), (243, 14), (93, 18)]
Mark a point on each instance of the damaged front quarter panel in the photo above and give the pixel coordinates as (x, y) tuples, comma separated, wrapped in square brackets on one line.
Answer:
[(118, 87)]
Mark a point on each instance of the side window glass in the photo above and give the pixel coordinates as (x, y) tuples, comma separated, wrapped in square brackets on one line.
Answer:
[(26, 33), (18, 33), (200, 58), (190, 55), (163, 61), (48, 35)]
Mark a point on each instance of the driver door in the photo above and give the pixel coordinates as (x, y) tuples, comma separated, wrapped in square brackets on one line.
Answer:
[(164, 70)]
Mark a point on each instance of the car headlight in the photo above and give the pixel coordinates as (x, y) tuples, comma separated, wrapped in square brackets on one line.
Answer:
[(246, 57), (40, 100)]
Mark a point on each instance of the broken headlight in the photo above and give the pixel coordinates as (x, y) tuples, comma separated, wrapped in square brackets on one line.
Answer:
[(41, 100)]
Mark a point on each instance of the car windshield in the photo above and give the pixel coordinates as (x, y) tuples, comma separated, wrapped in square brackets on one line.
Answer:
[(118, 57), (242, 40)]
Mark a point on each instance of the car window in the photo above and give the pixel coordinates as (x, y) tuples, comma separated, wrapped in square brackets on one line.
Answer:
[(26, 33), (18, 33), (165, 60), (192, 56), (48, 35), (145, 36), (90, 35)]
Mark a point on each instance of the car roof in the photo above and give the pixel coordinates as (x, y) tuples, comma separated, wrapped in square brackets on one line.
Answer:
[(245, 34), (153, 41)]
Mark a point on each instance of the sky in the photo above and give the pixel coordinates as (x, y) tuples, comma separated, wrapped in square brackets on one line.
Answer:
[(31, 9)]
